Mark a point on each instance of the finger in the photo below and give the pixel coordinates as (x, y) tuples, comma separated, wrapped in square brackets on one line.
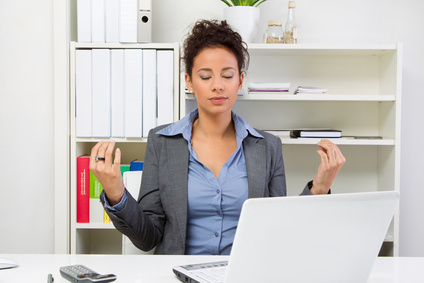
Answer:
[(108, 154), (94, 153), (102, 150), (331, 150), (117, 161), (324, 158)]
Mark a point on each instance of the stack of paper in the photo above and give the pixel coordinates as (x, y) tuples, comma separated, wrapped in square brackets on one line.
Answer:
[(309, 90), (269, 87)]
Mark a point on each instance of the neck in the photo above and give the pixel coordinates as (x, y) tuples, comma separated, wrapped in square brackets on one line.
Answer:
[(213, 126)]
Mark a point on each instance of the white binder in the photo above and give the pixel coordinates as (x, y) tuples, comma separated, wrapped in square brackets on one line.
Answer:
[(97, 21), (83, 92), (84, 20), (133, 81), (165, 86), (128, 21), (117, 93), (144, 21), (149, 90), (100, 93), (112, 20)]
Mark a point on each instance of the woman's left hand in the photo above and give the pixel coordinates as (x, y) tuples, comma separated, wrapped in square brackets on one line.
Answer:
[(332, 161)]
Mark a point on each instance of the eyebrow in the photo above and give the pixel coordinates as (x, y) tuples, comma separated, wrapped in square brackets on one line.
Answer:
[(210, 70)]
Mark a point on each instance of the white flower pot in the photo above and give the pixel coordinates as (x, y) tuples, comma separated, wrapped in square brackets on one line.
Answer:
[(244, 20)]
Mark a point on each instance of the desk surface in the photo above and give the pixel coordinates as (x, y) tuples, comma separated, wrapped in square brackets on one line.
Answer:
[(155, 268)]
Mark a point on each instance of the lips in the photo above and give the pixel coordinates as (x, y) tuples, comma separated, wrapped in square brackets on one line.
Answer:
[(218, 99)]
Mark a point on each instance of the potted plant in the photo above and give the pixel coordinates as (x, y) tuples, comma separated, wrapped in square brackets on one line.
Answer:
[(243, 16), (252, 3)]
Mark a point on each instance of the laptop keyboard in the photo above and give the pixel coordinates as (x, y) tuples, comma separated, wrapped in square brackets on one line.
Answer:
[(212, 275)]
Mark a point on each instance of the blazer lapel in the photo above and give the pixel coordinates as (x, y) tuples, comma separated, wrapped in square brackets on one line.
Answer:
[(255, 155), (178, 158)]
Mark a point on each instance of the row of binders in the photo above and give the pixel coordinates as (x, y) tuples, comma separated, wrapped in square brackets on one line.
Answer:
[(89, 207), (126, 21), (123, 92)]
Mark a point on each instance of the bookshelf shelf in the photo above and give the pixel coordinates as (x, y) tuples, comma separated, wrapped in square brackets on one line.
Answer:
[(339, 141), (95, 140), (94, 226), (311, 97)]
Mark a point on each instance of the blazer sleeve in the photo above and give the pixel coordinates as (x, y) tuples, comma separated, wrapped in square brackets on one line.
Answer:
[(143, 220), (277, 177)]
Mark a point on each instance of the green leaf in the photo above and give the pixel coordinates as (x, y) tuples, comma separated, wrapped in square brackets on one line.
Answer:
[(226, 2), (243, 2), (259, 3)]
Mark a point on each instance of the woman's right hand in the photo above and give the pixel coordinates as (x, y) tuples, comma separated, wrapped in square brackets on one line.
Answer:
[(108, 173)]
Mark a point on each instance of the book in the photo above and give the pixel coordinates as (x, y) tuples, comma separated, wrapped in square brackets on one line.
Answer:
[(310, 90), (132, 182), (83, 92), (315, 133), (125, 168), (96, 207), (136, 165), (100, 93), (106, 218), (83, 189), (149, 90)]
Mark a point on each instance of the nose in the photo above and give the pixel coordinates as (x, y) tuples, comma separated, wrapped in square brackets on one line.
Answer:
[(217, 85)]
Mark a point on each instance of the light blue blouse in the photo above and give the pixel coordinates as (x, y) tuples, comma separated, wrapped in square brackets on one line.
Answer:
[(214, 205)]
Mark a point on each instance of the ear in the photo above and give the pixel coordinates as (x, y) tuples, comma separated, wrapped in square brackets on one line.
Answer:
[(188, 82), (241, 80)]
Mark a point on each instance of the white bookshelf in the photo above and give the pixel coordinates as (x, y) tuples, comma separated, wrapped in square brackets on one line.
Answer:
[(364, 99), (94, 238)]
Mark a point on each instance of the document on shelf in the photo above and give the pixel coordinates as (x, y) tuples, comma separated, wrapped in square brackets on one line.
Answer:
[(310, 90), (274, 88)]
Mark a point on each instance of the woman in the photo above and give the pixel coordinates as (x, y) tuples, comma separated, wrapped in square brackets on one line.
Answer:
[(198, 171)]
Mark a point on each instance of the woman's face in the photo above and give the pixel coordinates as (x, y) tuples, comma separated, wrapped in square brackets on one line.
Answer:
[(215, 80)]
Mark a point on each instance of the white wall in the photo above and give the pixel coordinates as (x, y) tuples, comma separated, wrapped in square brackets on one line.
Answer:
[(26, 97), (26, 127)]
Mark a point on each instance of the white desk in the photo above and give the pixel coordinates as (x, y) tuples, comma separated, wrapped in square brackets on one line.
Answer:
[(153, 268)]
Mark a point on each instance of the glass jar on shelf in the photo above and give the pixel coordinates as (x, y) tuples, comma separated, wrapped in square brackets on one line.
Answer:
[(291, 28), (274, 32)]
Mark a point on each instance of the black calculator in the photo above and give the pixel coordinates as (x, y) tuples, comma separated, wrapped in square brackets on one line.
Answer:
[(81, 273)]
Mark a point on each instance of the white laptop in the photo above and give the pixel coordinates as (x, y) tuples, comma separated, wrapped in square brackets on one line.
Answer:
[(325, 238)]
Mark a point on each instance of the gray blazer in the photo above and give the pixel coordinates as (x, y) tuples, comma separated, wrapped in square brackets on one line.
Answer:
[(159, 217)]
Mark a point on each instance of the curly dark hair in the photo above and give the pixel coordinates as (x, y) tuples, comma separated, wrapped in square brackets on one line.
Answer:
[(211, 34)]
